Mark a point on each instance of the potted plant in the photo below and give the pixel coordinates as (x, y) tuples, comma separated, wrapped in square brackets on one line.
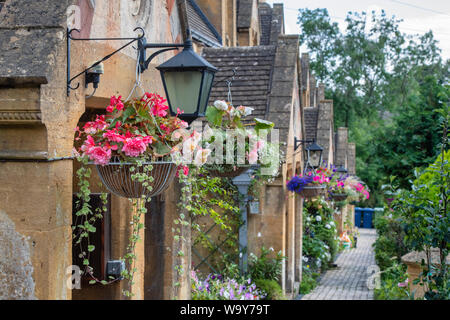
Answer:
[(311, 184), (137, 148), (337, 191), (138, 131), (225, 124)]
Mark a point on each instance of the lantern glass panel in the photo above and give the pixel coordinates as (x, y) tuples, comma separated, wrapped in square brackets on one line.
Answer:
[(183, 89), (206, 88), (315, 158)]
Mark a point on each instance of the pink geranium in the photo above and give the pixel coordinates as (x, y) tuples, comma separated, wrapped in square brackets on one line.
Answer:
[(100, 155), (134, 147)]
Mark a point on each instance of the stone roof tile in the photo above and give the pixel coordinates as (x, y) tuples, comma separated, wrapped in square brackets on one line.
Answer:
[(251, 83), (310, 118), (199, 25)]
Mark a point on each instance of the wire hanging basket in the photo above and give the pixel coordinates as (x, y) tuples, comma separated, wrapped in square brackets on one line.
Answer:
[(338, 196), (312, 191), (228, 173), (116, 176)]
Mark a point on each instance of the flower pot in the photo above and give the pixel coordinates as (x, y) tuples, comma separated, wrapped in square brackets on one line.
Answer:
[(228, 174), (312, 191), (338, 196), (116, 176)]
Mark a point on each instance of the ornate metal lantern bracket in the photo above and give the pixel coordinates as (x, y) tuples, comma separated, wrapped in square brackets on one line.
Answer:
[(70, 38)]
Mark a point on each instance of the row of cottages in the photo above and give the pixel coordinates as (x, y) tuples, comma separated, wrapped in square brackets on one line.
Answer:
[(37, 120), (273, 79)]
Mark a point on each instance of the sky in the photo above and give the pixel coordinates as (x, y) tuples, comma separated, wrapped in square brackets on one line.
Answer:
[(418, 16)]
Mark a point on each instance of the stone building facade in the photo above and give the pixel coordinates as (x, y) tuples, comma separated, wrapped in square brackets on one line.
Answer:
[(37, 122)]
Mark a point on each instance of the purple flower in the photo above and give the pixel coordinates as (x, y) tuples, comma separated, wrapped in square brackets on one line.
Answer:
[(296, 184)]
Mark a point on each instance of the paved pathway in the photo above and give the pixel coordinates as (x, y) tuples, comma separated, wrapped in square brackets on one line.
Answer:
[(348, 280)]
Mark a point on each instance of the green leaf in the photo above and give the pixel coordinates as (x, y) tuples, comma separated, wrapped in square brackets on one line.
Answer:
[(160, 148), (128, 112), (91, 248), (214, 116), (263, 124)]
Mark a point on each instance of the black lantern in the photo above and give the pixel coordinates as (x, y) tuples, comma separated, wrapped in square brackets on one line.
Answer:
[(341, 170), (187, 80), (313, 156)]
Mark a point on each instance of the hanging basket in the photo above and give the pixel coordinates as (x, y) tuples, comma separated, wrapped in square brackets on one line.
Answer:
[(228, 174), (312, 191), (116, 176), (338, 196)]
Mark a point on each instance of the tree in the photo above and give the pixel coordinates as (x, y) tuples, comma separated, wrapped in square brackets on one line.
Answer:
[(385, 87)]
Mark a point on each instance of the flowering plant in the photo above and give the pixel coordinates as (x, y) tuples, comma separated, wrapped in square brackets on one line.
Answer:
[(215, 287), (139, 128), (355, 189), (319, 177), (225, 124)]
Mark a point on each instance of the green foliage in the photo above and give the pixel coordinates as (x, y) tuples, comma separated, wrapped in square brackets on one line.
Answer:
[(263, 267), (320, 244), (390, 245), (309, 280), (271, 289), (214, 198), (390, 280)]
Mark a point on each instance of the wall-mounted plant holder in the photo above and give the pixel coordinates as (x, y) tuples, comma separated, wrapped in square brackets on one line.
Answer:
[(92, 73)]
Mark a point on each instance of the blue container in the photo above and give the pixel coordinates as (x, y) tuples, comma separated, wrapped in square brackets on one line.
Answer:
[(358, 216), (368, 218)]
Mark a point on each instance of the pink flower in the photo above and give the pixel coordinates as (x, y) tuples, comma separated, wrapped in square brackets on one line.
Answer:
[(100, 155), (134, 147), (403, 284), (185, 170), (88, 144), (260, 144), (159, 109), (119, 105), (110, 109), (253, 156), (112, 136)]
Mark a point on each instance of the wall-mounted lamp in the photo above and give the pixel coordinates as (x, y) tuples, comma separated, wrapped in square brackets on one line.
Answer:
[(93, 75), (312, 153), (187, 79)]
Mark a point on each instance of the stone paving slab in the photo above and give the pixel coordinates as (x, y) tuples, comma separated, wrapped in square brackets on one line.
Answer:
[(349, 280)]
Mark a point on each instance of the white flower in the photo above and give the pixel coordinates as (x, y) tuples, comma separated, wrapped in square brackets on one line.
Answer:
[(308, 219), (245, 111), (201, 157), (305, 258), (318, 218), (326, 247), (327, 226), (271, 249), (240, 255), (332, 223), (221, 105), (259, 234)]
